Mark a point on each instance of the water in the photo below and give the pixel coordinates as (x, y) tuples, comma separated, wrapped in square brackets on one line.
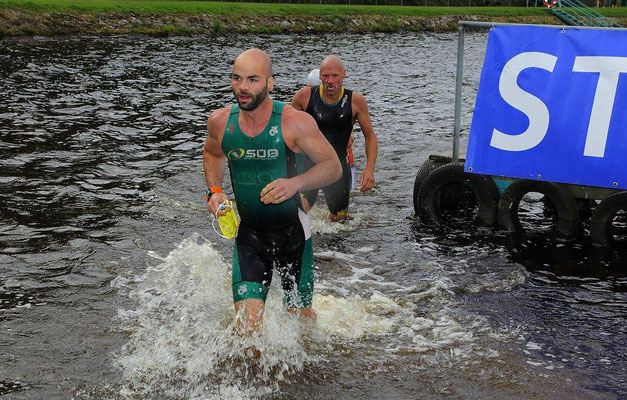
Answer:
[(114, 286)]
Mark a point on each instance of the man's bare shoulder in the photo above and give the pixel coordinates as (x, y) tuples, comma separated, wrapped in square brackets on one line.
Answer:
[(296, 124), (301, 97), (359, 99), (217, 119), (360, 106), (293, 116), (304, 91)]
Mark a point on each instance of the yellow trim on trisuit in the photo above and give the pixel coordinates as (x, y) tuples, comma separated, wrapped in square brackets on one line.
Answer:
[(321, 90)]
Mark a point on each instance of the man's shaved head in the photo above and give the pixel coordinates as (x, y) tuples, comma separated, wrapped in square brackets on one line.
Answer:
[(255, 59), (332, 62)]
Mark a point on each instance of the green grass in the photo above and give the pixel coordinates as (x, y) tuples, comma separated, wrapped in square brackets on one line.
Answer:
[(221, 8), (54, 17)]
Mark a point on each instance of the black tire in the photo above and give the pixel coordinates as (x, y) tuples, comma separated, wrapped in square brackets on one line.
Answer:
[(585, 207), (564, 205), (427, 167), (430, 193), (601, 220)]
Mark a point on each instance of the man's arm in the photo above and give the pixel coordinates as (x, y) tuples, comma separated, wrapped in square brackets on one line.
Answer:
[(360, 105), (301, 99), (213, 159), (302, 135)]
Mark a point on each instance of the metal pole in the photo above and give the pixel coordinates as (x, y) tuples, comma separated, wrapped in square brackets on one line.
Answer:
[(458, 91), (477, 24)]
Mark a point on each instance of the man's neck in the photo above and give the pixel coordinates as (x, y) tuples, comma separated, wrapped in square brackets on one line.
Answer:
[(254, 121), (332, 100)]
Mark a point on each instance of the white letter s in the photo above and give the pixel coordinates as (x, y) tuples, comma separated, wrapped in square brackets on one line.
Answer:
[(531, 106)]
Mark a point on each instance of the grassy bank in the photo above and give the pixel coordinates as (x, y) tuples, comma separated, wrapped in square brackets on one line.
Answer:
[(62, 17), (226, 8)]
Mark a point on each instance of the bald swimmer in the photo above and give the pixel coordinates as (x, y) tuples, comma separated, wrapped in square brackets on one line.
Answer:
[(258, 138), (335, 110)]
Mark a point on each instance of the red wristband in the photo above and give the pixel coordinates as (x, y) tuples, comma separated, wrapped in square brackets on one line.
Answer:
[(212, 190)]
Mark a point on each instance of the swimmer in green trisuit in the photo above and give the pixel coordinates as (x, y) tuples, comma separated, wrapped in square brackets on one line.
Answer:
[(259, 139), (335, 110)]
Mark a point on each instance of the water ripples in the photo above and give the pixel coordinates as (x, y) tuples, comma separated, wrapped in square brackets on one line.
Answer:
[(100, 169)]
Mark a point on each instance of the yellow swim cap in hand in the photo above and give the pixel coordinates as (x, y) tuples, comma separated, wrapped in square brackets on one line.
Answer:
[(228, 222)]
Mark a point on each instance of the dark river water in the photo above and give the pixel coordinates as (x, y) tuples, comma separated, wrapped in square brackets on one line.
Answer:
[(113, 285)]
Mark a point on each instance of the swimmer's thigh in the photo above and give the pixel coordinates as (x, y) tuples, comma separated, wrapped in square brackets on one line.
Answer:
[(252, 270)]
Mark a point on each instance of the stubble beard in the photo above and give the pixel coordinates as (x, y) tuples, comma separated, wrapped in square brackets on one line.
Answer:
[(255, 101)]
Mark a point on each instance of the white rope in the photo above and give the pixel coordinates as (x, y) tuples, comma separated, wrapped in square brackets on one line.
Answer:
[(222, 207)]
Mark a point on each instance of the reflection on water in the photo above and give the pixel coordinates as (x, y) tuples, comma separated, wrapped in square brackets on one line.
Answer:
[(113, 285), (568, 287)]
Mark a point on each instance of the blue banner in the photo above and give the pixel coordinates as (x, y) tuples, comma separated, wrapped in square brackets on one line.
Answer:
[(552, 106)]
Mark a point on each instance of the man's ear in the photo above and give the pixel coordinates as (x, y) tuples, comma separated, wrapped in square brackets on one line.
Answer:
[(270, 83)]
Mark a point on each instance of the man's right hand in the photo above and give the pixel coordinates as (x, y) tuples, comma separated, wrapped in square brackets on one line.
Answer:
[(213, 204), (278, 191)]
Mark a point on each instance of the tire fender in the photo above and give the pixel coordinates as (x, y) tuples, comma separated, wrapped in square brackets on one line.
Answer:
[(482, 187), (427, 167), (564, 203), (601, 219)]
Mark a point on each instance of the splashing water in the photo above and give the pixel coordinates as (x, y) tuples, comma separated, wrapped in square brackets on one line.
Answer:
[(182, 341), (320, 222)]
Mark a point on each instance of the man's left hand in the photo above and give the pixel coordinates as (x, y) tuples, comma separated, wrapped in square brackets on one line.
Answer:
[(366, 182), (278, 191)]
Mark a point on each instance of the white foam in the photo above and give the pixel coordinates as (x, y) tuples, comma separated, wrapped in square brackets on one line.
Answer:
[(354, 317), (320, 223), (533, 346), (335, 255), (182, 340), (365, 249)]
